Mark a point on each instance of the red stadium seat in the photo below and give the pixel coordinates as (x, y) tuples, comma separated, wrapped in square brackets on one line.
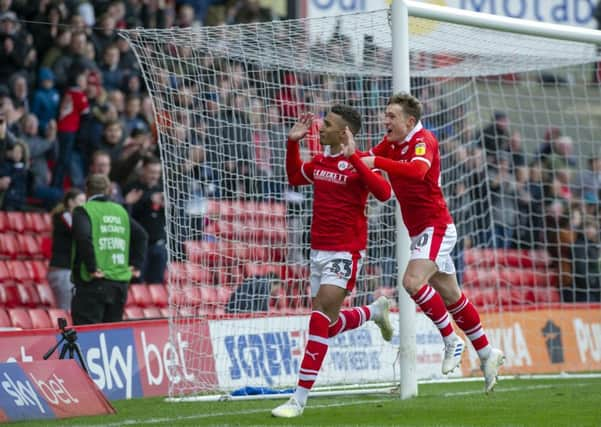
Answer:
[(46, 246), (259, 269), (36, 222), (16, 221), (141, 295), (19, 318), (130, 298), (165, 312), (4, 319), (9, 295), (186, 274), (5, 276), (40, 319), (9, 247), (151, 313), (39, 270), (158, 295), (28, 246), (133, 313), (47, 298), (47, 222), (56, 313), (3, 222), (20, 271), (229, 276), (28, 295), (546, 295)]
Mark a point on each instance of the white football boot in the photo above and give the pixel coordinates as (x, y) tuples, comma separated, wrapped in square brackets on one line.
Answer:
[(382, 320), (490, 368), (289, 409), (452, 355)]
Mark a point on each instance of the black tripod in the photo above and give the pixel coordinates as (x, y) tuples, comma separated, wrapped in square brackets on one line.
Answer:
[(69, 337)]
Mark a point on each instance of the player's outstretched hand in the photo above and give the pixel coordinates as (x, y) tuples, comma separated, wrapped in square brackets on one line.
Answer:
[(369, 161), (348, 144), (300, 129)]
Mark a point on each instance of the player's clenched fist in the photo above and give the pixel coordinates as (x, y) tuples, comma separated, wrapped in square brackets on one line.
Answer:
[(300, 129), (348, 143)]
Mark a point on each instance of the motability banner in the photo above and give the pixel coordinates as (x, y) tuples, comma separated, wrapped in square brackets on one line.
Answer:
[(48, 389)]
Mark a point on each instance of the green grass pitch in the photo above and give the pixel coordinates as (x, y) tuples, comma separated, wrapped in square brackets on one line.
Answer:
[(532, 402)]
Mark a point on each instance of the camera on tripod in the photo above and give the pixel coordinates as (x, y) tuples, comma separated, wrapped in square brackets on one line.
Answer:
[(69, 337)]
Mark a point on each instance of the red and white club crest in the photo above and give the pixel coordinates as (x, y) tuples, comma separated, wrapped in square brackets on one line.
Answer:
[(405, 149), (343, 165)]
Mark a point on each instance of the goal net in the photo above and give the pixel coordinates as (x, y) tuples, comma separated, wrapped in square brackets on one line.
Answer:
[(518, 124)]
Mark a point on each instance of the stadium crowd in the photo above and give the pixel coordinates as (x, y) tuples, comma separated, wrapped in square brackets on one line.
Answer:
[(73, 102)]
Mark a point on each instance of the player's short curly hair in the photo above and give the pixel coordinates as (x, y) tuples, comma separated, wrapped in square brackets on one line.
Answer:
[(351, 116), (410, 104)]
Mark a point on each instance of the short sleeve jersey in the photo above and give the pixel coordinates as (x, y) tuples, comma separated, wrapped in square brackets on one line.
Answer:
[(339, 198), (422, 202)]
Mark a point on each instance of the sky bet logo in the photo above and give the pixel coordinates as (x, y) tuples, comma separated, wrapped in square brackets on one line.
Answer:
[(112, 362), (19, 396), (263, 356)]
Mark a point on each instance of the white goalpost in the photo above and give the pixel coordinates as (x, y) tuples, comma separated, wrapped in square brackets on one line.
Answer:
[(516, 115)]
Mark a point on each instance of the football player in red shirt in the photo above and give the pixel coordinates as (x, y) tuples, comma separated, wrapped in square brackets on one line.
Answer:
[(410, 155), (341, 185)]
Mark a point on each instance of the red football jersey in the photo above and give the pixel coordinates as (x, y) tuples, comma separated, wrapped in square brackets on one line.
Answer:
[(73, 105), (422, 202), (339, 199)]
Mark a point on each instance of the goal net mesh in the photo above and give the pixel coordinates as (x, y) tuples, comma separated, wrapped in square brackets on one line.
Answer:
[(517, 121)]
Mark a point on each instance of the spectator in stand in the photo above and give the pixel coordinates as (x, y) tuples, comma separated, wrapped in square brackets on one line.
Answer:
[(133, 118), (16, 167), (59, 48), (147, 206), (104, 35), (101, 273), (561, 156), (73, 105), (59, 270), (588, 182), (253, 295), (112, 141), (101, 164), (587, 265), (74, 58), (45, 99), (14, 46), (495, 137), (135, 149), (19, 92), (41, 150), (46, 35), (112, 75)]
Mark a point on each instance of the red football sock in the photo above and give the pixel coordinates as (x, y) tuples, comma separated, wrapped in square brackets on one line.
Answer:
[(349, 319), (315, 352), (433, 306), (466, 316)]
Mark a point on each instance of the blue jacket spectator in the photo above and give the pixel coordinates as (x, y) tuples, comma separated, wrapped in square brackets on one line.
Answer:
[(15, 167), (45, 99)]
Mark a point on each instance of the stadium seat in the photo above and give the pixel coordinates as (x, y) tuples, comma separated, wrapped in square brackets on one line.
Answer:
[(544, 295), (229, 276), (47, 298), (130, 298), (141, 295), (258, 269), (47, 221), (3, 222), (9, 247), (186, 273), (19, 318), (4, 319), (5, 276), (20, 272), (36, 223), (158, 295), (39, 270), (133, 313), (207, 253), (40, 319), (28, 246), (164, 312), (151, 312), (46, 246), (15, 221), (56, 313), (28, 295), (9, 295)]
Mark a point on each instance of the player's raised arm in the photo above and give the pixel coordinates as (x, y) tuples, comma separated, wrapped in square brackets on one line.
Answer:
[(376, 184), (294, 163), (412, 169)]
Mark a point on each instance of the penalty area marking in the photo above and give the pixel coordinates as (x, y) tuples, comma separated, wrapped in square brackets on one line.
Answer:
[(172, 420)]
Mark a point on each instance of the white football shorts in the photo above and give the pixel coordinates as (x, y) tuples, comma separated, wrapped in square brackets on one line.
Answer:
[(335, 268), (436, 243)]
